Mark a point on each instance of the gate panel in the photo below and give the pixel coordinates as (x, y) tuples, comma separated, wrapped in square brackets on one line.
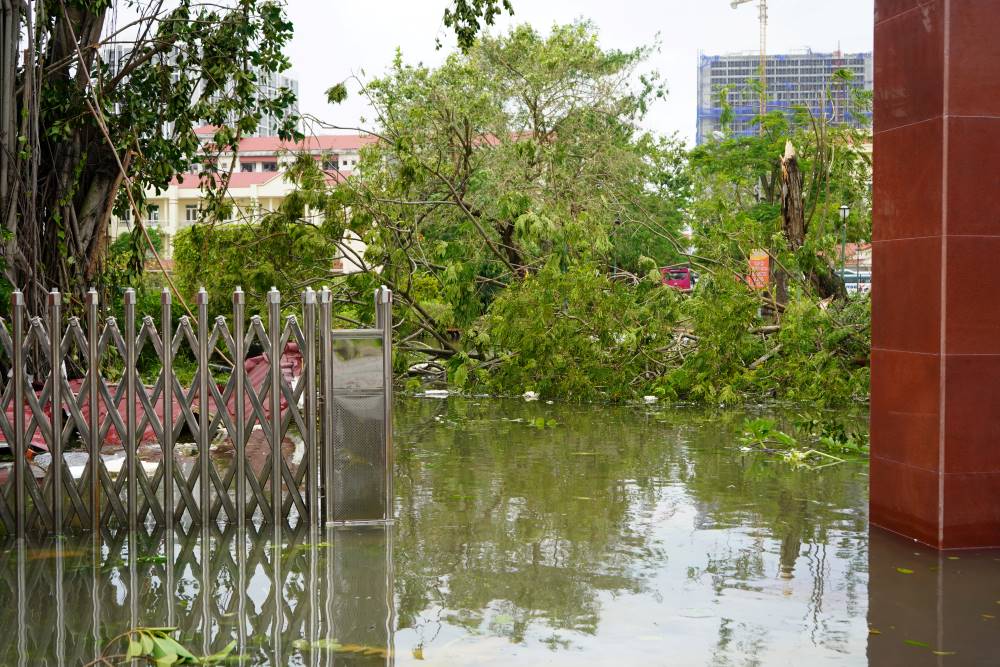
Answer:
[(299, 429)]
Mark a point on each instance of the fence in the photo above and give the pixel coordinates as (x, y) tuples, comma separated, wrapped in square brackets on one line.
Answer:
[(307, 437)]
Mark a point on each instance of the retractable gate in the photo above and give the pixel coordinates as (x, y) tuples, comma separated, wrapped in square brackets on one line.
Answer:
[(295, 424)]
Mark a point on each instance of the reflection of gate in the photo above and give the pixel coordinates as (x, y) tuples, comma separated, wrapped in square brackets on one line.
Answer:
[(306, 437), (316, 596)]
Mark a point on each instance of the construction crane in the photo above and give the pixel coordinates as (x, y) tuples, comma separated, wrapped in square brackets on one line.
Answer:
[(762, 6)]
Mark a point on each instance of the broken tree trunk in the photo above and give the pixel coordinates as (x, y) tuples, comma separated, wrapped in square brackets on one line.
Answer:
[(793, 223)]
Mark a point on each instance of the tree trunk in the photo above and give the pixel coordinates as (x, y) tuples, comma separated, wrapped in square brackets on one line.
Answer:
[(792, 214), (822, 276), (10, 22), (67, 180)]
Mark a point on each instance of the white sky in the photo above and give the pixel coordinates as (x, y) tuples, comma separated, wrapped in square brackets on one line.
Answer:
[(335, 40)]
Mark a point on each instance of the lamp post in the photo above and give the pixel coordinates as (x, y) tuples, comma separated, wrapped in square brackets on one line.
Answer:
[(614, 253), (845, 211)]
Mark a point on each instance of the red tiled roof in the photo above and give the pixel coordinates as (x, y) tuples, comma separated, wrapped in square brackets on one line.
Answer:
[(323, 142), (239, 179)]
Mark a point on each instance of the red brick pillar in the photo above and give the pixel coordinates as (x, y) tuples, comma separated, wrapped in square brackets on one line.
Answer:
[(935, 406)]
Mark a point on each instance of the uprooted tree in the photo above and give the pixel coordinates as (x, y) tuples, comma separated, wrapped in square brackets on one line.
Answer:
[(519, 212)]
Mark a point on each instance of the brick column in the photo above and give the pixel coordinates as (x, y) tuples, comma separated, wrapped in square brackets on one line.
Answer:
[(935, 406)]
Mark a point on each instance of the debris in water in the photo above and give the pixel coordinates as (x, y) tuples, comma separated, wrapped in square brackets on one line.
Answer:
[(437, 393)]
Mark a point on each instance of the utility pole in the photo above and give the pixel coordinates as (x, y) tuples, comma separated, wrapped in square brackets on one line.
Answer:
[(762, 15)]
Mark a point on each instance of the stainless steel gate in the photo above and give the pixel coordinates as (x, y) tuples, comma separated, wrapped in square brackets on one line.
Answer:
[(300, 430)]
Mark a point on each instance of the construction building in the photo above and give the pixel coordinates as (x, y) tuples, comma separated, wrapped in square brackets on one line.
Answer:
[(793, 80)]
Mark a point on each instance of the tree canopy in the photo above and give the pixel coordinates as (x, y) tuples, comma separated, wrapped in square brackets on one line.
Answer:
[(520, 212), (98, 94)]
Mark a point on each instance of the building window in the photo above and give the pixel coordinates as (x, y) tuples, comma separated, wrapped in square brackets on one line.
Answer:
[(330, 165), (246, 166), (153, 215), (191, 214), (270, 166)]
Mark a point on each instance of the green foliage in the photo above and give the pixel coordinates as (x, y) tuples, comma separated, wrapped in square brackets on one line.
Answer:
[(763, 432), (221, 258), (465, 16), (92, 116), (577, 334), (520, 214), (835, 435), (336, 94), (814, 355), (543, 423), (829, 438), (128, 254)]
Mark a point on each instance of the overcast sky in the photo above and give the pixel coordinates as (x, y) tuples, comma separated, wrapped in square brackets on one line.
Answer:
[(335, 40)]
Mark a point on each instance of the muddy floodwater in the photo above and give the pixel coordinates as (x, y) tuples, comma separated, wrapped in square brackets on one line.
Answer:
[(535, 534)]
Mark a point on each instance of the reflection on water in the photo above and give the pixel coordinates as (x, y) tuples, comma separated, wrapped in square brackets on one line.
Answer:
[(615, 536), (932, 608), (73, 596)]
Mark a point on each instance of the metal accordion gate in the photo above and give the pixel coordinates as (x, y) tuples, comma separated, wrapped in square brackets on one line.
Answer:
[(295, 426)]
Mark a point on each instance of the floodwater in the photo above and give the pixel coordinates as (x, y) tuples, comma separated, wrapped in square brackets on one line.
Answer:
[(598, 536)]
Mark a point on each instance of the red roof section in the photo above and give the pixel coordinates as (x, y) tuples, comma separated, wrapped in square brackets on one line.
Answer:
[(244, 179), (323, 142), (238, 179)]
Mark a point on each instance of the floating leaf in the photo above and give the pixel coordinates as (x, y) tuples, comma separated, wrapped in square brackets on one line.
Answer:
[(134, 649), (163, 653), (322, 644), (418, 652), (904, 570), (362, 649), (914, 642), (582, 498), (584, 454), (987, 616), (873, 631), (175, 648), (952, 557), (151, 559), (944, 652), (221, 655)]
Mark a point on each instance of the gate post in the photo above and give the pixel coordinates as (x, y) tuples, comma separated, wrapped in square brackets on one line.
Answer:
[(383, 320), (20, 469)]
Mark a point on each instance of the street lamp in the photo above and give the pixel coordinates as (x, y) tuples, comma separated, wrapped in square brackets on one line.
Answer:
[(845, 211)]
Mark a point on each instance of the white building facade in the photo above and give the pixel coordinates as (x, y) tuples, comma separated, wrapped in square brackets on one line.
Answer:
[(257, 186)]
